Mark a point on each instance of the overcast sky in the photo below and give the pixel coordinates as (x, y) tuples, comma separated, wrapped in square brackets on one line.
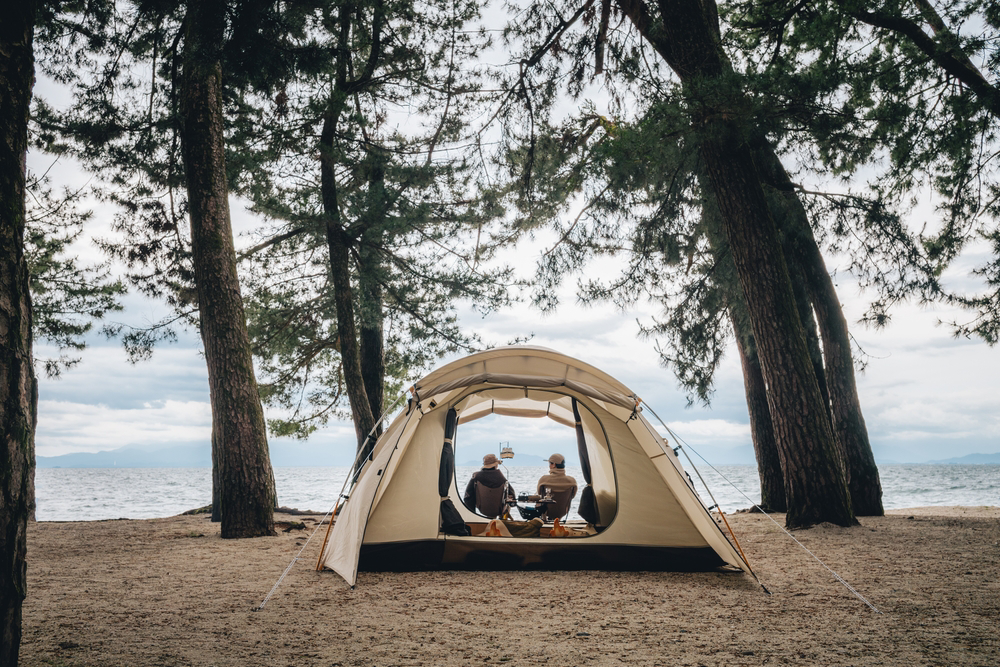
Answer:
[(925, 395)]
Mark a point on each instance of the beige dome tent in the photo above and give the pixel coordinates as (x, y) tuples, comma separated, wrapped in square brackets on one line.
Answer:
[(641, 509)]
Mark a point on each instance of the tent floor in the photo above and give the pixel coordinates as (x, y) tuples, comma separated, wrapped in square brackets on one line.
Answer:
[(498, 553)]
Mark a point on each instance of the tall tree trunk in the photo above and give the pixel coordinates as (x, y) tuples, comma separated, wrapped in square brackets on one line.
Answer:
[(848, 422), (815, 481), (339, 243), (772, 483), (349, 25), (18, 391), (803, 302), (244, 496), (372, 342), (370, 278), (845, 405)]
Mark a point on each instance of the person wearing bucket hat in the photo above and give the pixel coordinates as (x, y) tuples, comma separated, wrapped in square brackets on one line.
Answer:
[(485, 492)]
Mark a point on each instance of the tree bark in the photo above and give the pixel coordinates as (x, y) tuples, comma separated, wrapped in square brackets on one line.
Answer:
[(372, 342), (338, 239), (848, 422), (772, 483), (845, 405), (18, 391), (803, 302), (815, 483), (815, 480), (244, 498), (339, 243)]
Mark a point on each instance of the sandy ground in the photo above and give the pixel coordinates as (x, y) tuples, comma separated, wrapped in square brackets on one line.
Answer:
[(172, 592)]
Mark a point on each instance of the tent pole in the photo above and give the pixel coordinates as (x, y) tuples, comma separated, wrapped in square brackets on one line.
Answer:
[(733, 535)]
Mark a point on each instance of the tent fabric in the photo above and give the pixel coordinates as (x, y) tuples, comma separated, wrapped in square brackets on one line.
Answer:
[(588, 506), (581, 443), (624, 400), (642, 506), (446, 470), (532, 361), (451, 519)]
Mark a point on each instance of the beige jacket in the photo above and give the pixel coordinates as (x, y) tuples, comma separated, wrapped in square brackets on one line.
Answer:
[(558, 480)]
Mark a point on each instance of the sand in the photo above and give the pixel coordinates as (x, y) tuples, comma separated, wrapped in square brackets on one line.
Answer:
[(172, 592)]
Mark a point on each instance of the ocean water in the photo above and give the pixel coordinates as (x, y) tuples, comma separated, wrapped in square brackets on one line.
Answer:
[(89, 494)]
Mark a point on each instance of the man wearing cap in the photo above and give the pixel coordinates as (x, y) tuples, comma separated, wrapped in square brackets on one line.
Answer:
[(485, 491), (553, 483)]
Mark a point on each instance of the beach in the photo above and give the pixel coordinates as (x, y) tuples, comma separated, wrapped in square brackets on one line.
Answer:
[(171, 592)]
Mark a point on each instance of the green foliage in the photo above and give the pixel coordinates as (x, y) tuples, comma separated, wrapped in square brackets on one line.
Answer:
[(841, 99), (121, 68), (405, 196), (67, 296), (122, 63), (418, 227), (626, 188), (899, 96)]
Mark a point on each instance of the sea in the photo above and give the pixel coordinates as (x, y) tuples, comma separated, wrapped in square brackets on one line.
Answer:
[(94, 494)]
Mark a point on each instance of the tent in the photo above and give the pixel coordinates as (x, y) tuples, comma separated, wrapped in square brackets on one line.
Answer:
[(641, 509)]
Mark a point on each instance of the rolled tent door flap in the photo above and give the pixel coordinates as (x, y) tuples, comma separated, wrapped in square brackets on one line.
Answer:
[(581, 443), (588, 500), (451, 520)]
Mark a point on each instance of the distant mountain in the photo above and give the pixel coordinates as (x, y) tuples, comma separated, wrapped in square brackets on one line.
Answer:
[(288, 453), (972, 459), (284, 454), (134, 456)]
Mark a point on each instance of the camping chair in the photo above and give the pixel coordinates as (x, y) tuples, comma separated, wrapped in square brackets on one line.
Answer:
[(559, 508), (491, 503)]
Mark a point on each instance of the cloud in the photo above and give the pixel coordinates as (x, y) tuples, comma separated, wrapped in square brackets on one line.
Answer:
[(922, 387), (713, 431), (104, 375), (65, 428)]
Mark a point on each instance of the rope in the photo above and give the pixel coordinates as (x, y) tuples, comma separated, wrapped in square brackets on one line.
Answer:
[(332, 512), (715, 503), (297, 558), (780, 527)]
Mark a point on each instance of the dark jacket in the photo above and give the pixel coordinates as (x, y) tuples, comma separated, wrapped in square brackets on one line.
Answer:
[(489, 477)]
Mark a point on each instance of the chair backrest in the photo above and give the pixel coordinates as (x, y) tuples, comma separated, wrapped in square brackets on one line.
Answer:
[(490, 502), (560, 508)]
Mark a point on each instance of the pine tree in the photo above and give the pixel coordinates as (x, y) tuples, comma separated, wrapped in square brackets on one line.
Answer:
[(67, 296), (243, 495), (389, 204), (719, 130), (18, 391), (160, 147), (892, 99)]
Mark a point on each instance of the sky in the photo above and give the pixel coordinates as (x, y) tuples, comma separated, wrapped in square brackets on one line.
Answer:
[(925, 395)]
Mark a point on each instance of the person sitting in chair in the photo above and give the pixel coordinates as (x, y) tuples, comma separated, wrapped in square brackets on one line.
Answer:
[(558, 485), (486, 490), (557, 488)]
